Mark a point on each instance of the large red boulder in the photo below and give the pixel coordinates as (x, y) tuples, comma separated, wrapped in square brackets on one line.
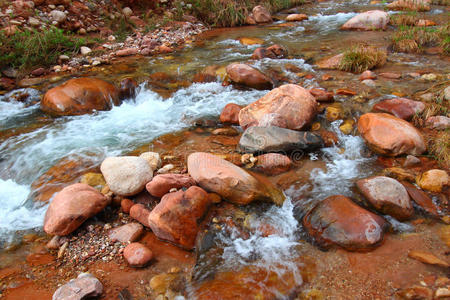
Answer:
[(162, 184), (289, 106), (230, 114), (232, 183), (244, 75), (387, 195), (400, 107), (389, 135), (80, 96), (337, 220), (175, 218), (71, 207)]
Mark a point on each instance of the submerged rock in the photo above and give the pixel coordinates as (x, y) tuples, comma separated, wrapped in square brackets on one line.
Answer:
[(369, 20), (162, 184), (400, 107), (289, 106), (232, 183), (137, 255), (387, 195), (421, 198), (71, 207), (296, 17), (244, 75), (126, 175), (337, 220), (274, 51), (84, 286), (175, 218), (275, 139), (389, 135), (80, 96)]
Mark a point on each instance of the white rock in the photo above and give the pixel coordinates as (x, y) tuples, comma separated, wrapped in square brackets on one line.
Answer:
[(64, 57), (33, 21), (165, 169), (369, 82), (127, 11), (111, 38), (126, 175), (85, 50), (58, 16), (153, 159), (369, 20), (429, 77)]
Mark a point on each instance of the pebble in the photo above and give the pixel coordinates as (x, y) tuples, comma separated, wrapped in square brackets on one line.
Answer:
[(85, 50)]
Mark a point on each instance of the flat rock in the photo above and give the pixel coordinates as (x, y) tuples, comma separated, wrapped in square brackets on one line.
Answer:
[(402, 108), (427, 258), (275, 139), (126, 233), (162, 184), (84, 286)]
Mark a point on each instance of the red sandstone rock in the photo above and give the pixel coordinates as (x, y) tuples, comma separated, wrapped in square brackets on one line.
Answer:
[(162, 184)]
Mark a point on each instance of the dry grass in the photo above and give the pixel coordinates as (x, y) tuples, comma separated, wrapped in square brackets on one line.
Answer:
[(441, 2), (361, 58), (414, 39), (439, 147), (406, 19)]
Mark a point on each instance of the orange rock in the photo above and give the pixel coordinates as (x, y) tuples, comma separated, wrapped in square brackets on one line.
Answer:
[(162, 184), (80, 96), (331, 62), (273, 163), (245, 75), (322, 95), (402, 108), (289, 106), (389, 135), (296, 17), (137, 255), (175, 218), (140, 213), (345, 92), (126, 205), (230, 114), (71, 207), (337, 220), (427, 258)]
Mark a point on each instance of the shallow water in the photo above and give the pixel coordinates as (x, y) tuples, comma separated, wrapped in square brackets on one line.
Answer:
[(268, 258)]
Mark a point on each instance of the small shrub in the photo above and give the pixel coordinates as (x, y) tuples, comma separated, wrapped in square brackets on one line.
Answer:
[(34, 48), (406, 19), (361, 58)]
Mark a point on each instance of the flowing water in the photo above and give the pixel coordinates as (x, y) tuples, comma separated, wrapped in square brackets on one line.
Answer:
[(31, 143)]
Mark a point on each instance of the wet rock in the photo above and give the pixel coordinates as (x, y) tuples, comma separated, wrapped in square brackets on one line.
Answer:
[(175, 218), (71, 207), (321, 95), (402, 108), (162, 282), (333, 113), (137, 255), (153, 159), (296, 17), (399, 174), (433, 180), (80, 96), (390, 75), (261, 14), (273, 164), (84, 286), (166, 169), (427, 258), (421, 199), (230, 131), (130, 232), (275, 139), (230, 114), (367, 75), (95, 180), (337, 220), (38, 72), (162, 184), (127, 88), (419, 5), (369, 20), (251, 41), (229, 181), (289, 106), (411, 161), (330, 63), (274, 51), (438, 122), (126, 175), (389, 135), (126, 205), (416, 292), (387, 195), (140, 213), (244, 75)]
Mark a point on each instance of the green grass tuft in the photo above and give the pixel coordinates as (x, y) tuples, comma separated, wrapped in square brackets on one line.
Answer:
[(34, 48), (361, 58), (414, 39)]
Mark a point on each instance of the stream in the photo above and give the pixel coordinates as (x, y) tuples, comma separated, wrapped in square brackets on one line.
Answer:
[(31, 143)]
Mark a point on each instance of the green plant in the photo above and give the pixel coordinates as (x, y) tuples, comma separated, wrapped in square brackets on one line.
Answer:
[(361, 58), (409, 18), (33, 48), (413, 39)]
